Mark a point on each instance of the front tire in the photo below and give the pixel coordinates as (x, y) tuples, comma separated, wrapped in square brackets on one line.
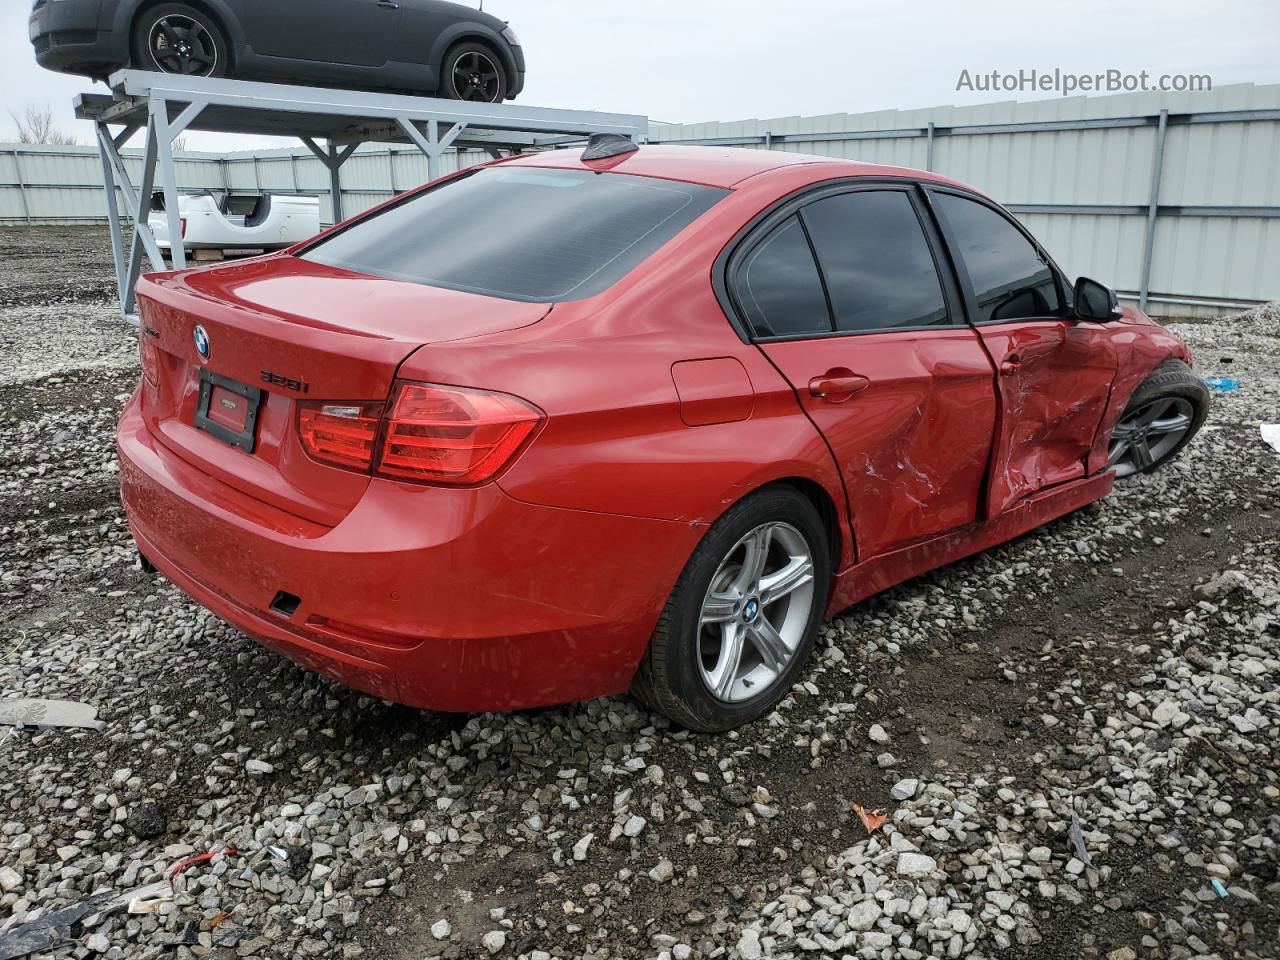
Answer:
[(1164, 413), (472, 71), (177, 38), (741, 621)]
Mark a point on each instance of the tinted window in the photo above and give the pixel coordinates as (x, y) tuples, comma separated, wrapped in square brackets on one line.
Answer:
[(521, 233), (779, 288), (1009, 279), (879, 271)]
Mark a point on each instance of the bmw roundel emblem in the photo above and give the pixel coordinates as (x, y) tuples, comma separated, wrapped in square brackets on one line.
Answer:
[(201, 337)]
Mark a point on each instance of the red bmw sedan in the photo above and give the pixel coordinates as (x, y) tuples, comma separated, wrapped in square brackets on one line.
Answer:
[(575, 423)]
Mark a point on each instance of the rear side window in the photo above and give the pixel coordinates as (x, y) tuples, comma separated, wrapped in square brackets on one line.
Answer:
[(1010, 279), (778, 287), (879, 270), (520, 233)]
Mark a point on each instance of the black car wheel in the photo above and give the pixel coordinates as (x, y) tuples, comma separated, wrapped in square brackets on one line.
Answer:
[(176, 38), (472, 71)]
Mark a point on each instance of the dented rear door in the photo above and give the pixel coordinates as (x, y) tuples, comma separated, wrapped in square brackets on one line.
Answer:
[(877, 348)]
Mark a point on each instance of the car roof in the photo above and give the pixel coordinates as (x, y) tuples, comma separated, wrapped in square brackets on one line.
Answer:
[(724, 167)]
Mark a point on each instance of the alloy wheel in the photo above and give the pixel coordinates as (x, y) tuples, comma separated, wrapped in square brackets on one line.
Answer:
[(1149, 434), (476, 77), (755, 612), (181, 44)]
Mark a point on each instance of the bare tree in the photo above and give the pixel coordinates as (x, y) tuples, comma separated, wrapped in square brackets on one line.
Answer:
[(35, 125), (179, 144)]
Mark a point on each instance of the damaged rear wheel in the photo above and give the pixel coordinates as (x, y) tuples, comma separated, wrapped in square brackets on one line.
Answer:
[(1165, 412)]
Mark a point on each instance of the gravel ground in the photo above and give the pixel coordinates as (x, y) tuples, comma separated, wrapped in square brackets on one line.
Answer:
[(1073, 737)]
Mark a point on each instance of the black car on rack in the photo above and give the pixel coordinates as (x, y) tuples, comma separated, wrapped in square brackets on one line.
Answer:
[(411, 46)]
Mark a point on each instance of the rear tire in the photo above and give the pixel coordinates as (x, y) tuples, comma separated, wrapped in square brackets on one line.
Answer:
[(764, 604), (1162, 416), (472, 71), (177, 38)]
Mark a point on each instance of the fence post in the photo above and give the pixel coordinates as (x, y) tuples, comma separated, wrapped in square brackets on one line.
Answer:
[(22, 186), (1153, 205)]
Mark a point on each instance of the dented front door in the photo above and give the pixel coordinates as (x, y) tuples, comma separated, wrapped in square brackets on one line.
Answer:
[(1054, 377), (1053, 373)]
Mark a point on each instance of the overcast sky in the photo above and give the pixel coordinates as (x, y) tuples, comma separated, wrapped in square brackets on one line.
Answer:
[(690, 60)]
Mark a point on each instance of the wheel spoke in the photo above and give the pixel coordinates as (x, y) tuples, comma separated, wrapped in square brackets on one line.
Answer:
[(757, 554), (773, 650), (169, 33), (795, 574), (719, 608), (1118, 451), (1153, 413), (1124, 432), (726, 669), (1140, 454), (194, 31), (1177, 423)]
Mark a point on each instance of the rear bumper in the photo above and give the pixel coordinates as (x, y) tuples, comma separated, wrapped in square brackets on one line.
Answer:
[(459, 600)]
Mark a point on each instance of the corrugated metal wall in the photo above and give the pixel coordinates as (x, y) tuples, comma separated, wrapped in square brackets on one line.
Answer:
[(1229, 253), (1205, 164)]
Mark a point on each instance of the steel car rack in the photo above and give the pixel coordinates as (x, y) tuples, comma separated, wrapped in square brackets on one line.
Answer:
[(331, 122)]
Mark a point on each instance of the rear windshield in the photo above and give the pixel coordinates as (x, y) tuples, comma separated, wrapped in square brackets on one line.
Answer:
[(520, 233)]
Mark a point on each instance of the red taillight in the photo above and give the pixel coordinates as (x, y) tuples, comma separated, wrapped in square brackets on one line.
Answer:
[(453, 435), (183, 221), (343, 434)]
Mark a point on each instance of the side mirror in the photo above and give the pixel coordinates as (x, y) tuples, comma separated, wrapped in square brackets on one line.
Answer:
[(1096, 301)]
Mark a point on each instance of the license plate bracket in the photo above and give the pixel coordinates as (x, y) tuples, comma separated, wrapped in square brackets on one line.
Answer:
[(231, 393)]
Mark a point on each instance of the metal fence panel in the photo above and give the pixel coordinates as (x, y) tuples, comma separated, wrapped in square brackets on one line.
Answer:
[(1084, 186)]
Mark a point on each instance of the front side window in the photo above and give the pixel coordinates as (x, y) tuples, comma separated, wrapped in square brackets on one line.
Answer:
[(520, 233), (879, 270), (1011, 281), (778, 286)]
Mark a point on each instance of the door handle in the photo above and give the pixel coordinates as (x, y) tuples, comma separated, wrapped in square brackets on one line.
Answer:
[(389, 4), (836, 386)]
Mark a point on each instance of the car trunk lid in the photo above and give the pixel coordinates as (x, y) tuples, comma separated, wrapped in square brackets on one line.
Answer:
[(277, 332)]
